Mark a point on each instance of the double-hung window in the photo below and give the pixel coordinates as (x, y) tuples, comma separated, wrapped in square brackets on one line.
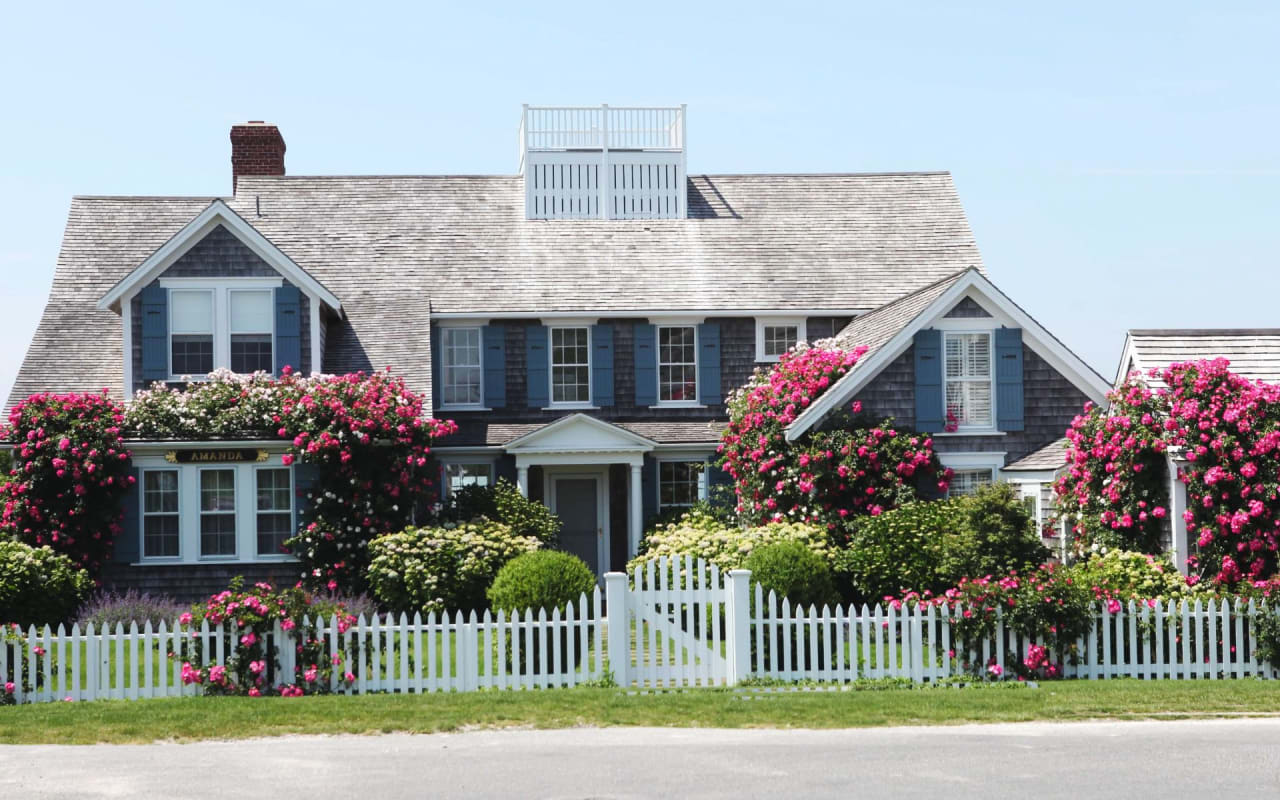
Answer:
[(774, 337), (680, 483), (274, 509), (677, 364), (217, 512), (968, 481), (969, 380), (571, 365), (461, 351), (251, 323), (191, 324), (160, 513), (460, 475)]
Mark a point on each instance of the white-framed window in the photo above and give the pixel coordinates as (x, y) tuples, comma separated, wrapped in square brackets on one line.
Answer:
[(968, 481), (678, 364), (191, 326), (217, 512), (461, 366), (460, 474), (775, 336), (221, 323), (161, 522), (970, 389), (273, 489), (570, 365), (681, 483), (252, 328)]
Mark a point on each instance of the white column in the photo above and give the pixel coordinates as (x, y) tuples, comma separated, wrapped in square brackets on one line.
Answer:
[(1181, 543), (522, 480), (635, 503), (737, 627)]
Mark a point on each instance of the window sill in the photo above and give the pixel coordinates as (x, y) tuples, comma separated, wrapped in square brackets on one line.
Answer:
[(571, 407), (463, 408), (207, 560), (970, 433), (680, 404)]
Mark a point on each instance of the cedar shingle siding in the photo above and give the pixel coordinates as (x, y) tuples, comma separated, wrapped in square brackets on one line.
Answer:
[(1051, 402), (968, 308)]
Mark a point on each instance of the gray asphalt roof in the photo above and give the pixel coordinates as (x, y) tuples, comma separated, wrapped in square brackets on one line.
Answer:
[(396, 249), (1051, 456)]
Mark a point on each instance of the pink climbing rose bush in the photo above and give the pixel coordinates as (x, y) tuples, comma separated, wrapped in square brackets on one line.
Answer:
[(366, 435), (1228, 430), (842, 470), (70, 474)]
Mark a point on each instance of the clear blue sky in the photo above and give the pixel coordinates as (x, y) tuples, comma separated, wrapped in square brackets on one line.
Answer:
[(1119, 162)]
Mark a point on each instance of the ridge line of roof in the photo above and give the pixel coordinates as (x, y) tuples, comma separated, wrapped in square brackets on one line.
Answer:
[(1204, 332), (206, 198)]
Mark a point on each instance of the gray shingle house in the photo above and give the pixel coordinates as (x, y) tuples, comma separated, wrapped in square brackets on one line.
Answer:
[(582, 320)]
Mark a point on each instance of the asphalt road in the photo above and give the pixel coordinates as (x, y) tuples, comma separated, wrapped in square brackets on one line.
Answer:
[(1227, 758)]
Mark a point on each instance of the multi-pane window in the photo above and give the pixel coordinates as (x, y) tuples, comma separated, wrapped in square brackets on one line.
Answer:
[(160, 513), (968, 379), (191, 332), (274, 510), (778, 339), (459, 475), (460, 348), (570, 365), (679, 483), (251, 321), (677, 364), (967, 481), (217, 512)]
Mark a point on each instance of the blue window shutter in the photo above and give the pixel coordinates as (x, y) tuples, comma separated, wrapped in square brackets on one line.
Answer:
[(155, 333), (1009, 402), (495, 365), (128, 545), (535, 345), (929, 397), (602, 365), (709, 363), (646, 358), (288, 328), (305, 476), (649, 488), (437, 370)]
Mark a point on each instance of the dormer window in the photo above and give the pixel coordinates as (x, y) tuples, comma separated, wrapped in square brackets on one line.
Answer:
[(221, 325), (969, 379), (251, 329), (191, 332)]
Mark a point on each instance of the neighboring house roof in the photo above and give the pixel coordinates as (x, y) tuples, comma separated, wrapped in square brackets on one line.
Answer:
[(893, 329), (1052, 456), (1253, 352), (397, 249), (479, 433)]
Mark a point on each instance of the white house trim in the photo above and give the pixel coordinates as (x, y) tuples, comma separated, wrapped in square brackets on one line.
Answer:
[(217, 213), (1003, 312), (763, 322), (126, 340)]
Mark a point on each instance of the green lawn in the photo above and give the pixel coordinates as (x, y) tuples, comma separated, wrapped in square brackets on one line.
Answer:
[(200, 718)]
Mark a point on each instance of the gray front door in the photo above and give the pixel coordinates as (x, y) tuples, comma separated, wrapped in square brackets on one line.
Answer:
[(577, 509)]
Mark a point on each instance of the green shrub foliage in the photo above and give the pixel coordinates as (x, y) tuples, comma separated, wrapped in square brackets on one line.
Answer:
[(504, 503), (1128, 575), (793, 571), (442, 568), (699, 534), (996, 535), (546, 579), (39, 586)]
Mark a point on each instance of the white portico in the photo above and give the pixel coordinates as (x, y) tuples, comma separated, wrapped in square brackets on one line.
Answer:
[(575, 453)]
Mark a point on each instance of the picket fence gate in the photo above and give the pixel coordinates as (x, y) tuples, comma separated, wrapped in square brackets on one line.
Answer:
[(676, 623)]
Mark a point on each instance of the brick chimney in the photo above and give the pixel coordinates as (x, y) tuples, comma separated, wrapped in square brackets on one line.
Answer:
[(256, 149)]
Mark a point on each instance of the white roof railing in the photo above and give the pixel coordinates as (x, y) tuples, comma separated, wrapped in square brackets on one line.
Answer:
[(602, 127)]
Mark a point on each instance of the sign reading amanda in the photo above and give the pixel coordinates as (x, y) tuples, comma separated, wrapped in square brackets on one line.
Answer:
[(219, 456)]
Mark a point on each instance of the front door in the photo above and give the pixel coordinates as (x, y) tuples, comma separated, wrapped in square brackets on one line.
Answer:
[(577, 504)]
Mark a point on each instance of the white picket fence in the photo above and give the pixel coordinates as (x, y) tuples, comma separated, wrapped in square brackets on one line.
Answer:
[(676, 624)]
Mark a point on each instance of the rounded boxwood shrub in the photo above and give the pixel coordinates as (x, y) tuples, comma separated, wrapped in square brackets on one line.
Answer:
[(442, 568), (37, 585), (996, 536), (899, 550), (546, 579), (793, 571)]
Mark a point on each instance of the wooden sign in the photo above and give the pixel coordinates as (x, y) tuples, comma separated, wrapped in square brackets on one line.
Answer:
[(219, 456)]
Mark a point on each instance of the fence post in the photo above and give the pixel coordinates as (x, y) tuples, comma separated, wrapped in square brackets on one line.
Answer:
[(619, 621), (737, 627)]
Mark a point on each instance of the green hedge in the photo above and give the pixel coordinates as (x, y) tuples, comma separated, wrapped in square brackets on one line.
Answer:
[(39, 586), (793, 571), (701, 535)]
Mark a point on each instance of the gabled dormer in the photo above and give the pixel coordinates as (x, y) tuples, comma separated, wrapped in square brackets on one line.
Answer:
[(603, 162), (219, 295)]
